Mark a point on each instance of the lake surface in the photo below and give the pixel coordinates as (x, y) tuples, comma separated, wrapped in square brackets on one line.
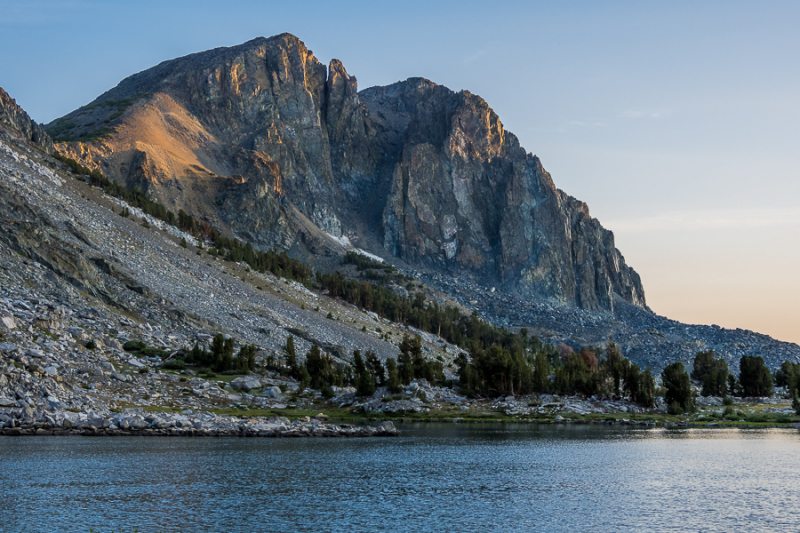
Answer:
[(455, 478)]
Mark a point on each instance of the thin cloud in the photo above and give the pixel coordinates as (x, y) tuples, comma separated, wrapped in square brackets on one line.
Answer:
[(582, 123), (475, 56), (716, 219), (653, 114)]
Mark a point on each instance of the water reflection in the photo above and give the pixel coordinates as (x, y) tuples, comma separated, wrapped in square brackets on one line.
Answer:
[(435, 478)]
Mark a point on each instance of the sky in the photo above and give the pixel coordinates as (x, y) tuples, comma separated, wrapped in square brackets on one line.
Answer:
[(676, 122)]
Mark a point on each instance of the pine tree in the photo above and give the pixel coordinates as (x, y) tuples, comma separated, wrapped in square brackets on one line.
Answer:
[(679, 389), (393, 377), (291, 358), (540, 373)]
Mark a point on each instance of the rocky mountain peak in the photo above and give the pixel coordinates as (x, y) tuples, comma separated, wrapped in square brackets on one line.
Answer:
[(268, 142), (14, 116)]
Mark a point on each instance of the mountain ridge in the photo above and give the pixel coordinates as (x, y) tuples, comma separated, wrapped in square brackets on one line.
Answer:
[(245, 136)]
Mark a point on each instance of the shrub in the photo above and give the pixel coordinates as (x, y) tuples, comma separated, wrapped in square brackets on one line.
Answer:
[(91, 345), (727, 401), (153, 352), (675, 408), (134, 346), (174, 364)]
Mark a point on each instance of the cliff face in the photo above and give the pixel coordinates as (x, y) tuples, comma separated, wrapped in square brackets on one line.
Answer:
[(15, 117), (266, 140)]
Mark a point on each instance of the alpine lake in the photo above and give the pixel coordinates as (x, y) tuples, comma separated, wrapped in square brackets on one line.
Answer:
[(434, 477)]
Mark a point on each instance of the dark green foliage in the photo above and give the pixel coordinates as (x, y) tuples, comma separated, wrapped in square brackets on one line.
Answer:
[(414, 366), (364, 380), (363, 262), (754, 376), (221, 359), (174, 364), (183, 242), (578, 373), (788, 376), (448, 322), (795, 402), (678, 387), (134, 346), (153, 352), (405, 366), (640, 386), (675, 408), (647, 389), (291, 358), (392, 376), (715, 381), (222, 352), (541, 371), (734, 388), (703, 364), (321, 372), (91, 345), (495, 372), (246, 359), (375, 366), (616, 365)]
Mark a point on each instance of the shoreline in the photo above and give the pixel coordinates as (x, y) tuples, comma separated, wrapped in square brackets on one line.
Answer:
[(280, 427)]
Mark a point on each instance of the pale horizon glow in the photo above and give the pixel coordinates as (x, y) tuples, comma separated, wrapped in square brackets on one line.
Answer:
[(677, 123)]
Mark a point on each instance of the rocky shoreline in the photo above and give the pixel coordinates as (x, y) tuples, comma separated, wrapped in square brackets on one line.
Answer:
[(136, 422)]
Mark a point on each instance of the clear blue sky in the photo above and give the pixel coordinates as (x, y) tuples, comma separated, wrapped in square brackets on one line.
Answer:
[(677, 122)]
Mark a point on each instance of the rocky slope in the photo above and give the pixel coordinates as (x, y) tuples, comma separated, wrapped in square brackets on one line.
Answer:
[(266, 141), (77, 281)]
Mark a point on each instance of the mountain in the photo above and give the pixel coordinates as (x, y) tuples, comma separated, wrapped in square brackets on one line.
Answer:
[(72, 271), (18, 124), (271, 145)]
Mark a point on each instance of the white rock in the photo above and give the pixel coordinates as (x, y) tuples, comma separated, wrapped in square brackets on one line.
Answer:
[(246, 383)]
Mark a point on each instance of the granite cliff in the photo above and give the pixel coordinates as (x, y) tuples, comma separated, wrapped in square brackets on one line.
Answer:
[(18, 124), (266, 141)]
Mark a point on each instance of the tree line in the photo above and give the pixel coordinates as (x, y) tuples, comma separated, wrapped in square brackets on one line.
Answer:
[(279, 263), (366, 373), (754, 380)]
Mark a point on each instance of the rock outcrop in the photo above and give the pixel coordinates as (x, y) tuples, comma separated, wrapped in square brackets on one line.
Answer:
[(265, 140), (14, 117)]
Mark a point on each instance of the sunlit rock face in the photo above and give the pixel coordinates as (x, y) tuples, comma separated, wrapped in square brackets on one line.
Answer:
[(280, 149)]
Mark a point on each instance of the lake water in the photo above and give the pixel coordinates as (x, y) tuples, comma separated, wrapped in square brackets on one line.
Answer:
[(455, 478)]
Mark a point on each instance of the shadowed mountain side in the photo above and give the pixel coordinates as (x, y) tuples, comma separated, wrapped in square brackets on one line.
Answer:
[(245, 136)]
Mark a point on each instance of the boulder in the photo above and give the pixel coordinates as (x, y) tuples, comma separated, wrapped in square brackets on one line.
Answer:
[(247, 383), (121, 377), (273, 392), (7, 347)]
